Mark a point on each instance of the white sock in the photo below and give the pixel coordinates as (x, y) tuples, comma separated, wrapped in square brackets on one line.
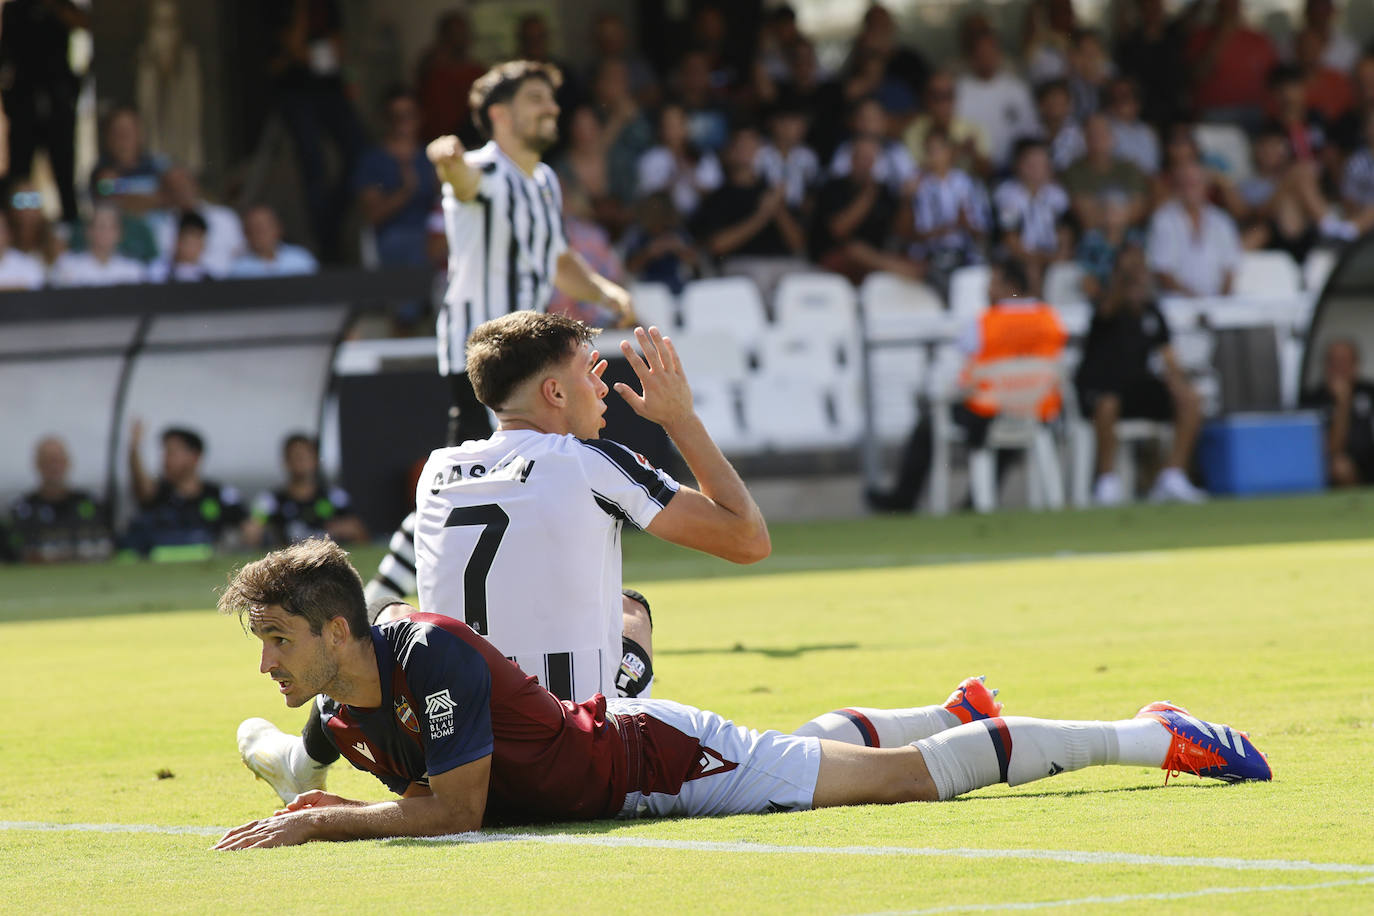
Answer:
[(880, 727), (1017, 750), (302, 764)]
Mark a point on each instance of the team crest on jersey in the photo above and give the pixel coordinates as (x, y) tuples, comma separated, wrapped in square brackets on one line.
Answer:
[(643, 462), (407, 715), (709, 763), (439, 712)]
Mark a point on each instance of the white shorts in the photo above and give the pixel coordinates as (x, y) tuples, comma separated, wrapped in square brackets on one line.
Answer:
[(696, 763)]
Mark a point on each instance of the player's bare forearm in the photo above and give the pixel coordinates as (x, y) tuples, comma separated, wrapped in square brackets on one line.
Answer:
[(419, 816), (575, 277), (446, 154)]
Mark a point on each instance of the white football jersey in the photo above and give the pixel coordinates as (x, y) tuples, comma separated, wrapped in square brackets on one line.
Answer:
[(519, 537)]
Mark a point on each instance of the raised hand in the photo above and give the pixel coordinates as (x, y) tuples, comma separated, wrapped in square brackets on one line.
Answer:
[(666, 398)]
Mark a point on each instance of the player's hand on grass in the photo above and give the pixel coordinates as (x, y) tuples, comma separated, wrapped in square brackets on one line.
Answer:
[(666, 398), (315, 798), (291, 829)]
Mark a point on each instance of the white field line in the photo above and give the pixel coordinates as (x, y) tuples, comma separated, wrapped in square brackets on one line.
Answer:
[(1123, 898), (627, 842)]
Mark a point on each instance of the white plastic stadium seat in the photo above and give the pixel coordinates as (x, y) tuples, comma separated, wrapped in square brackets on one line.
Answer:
[(1267, 273), (899, 375), (968, 291), (731, 304), (715, 403), (655, 305), (819, 301), (1227, 143), (1318, 266), (1064, 284), (1076, 317), (789, 412), (712, 354)]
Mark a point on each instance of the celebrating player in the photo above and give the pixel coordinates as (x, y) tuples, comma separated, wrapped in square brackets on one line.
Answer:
[(467, 739)]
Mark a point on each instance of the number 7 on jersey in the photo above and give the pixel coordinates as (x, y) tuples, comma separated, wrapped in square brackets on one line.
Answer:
[(493, 520)]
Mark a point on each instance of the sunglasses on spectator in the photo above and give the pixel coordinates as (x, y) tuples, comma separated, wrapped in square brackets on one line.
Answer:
[(26, 200)]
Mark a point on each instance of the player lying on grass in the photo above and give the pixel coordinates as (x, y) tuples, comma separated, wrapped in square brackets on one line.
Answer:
[(467, 739)]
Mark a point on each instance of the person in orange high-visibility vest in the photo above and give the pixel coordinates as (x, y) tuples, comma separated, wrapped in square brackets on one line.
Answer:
[(1013, 329)]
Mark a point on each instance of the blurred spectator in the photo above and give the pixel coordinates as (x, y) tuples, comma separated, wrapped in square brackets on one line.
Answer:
[(1136, 141), (1346, 402), (533, 42), (306, 64), (305, 507), (1193, 246), (855, 216), (949, 213), (611, 42), (1150, 50), (224, 230), (584, 169), (626, 132), (745, 217), (785, 160), (268, 255), (17, 269), (1099, 246), (169, 89), (777, 41), (1283, 201), (1115, 382), (187, 263), (1014, 326), (1357, 182), (100, 264), (1029, 208), (1060, 129), (895, 167), (1337, 49), (1089, 71), (126, 174), (1045, 37), (708, 125), (1101, 171), (677, 165), (396, 185), (30, 231), (446, 72), (588, 238), (1347, 132), (40, 90), (1229, 63), (1327, 90), (708, 34), (970, 141), (882, 67), (657, 248), (1181, 148), (179, 508), (995, 99), (56, 523), (1302, 125), (809, 88)]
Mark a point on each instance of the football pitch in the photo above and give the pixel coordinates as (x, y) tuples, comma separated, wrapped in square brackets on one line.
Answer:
[(123, 690)]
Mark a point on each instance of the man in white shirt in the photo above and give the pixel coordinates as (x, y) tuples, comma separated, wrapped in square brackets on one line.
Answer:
[(17, 269), (268, 255), (1194, 247), (995, 99), (101, 264), (224, 241)]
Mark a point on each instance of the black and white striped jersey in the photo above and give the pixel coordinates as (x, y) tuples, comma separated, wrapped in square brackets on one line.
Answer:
[(518, 536), (503, 248)]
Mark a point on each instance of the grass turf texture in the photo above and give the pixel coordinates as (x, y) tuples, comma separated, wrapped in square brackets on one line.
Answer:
[(1272, 637)]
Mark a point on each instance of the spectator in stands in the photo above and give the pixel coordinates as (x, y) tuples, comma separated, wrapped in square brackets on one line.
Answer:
[(179, 508), (1328, 91), (1357, 182), (677, 165), (100, 264), (1012, 327), (708, 123), (268, 255), (970, 141), (588, 238), (811, 89), (1346, 402), (187, 263), (1180, 149), (30, 231), (1229, 63), (904, 70), (777, 39), (1302, 125), (126, 174), (1337, 49), (895, 167), (305, 507), (397, 186), (1089, 71), (1136, 141), (446, 72), (17, 269), (745, 217), (611, 42), (584, 169), (657, 248), (1045, 38), (994, 98), (224, 230), (1284, 205), (855, 217), (1115, 382), (1101, 171), (1099, 246), (786, 161), (1150, 50), (56, 523), (1194, 247), (1029, 209), (626, 132), (949, 213), (1060, 130)]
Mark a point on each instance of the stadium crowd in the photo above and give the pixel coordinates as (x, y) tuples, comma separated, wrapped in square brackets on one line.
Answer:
[(1062, 143)]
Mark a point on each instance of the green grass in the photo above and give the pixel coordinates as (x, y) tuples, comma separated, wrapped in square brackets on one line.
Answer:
[(1255, 613)]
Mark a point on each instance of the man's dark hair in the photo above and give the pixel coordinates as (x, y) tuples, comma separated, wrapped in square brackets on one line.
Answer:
[(1045, 88), (500, 84), (189, 438), (1026, 145), (193, 221), (312, 579), (506, 351), (1013, 273), (300, 439)]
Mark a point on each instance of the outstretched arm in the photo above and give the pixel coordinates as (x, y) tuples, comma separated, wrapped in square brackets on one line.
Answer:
[(446, 153), (454, 804), (576, 278), (722, 518)]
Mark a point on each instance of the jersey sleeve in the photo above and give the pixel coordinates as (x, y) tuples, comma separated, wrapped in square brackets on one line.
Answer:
[(623, 483), (452, 684)]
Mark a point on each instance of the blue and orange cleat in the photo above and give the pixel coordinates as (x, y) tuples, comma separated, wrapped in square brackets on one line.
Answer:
[(1207, 748), (972, 700)]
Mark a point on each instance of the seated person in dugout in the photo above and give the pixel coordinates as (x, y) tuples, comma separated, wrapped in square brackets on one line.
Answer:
[(56, 522), (1346, 403), (467, 739)]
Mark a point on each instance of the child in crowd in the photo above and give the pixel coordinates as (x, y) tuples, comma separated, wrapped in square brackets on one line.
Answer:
[(949, 213)]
